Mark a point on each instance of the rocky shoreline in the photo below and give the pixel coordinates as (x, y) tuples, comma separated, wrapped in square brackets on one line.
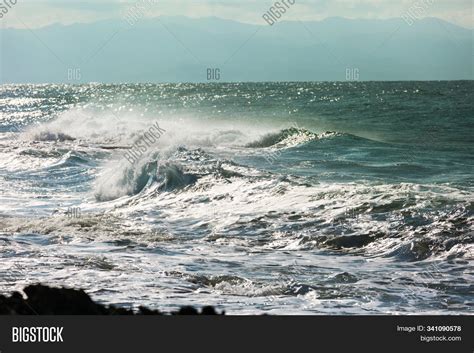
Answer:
[(44, 300)]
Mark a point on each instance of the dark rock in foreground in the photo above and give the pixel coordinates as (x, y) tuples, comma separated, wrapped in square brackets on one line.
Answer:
[(44, 300)]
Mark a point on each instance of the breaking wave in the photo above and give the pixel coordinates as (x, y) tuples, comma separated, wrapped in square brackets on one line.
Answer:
[(288, 138)]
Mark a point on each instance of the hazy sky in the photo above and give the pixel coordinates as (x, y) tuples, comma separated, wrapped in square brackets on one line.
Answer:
[(37, 13)]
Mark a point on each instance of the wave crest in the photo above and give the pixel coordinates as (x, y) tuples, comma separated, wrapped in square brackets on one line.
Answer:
[(133, 179), (286, 138)]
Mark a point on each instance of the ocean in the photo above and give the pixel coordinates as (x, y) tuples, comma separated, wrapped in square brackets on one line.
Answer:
[(278, 198)]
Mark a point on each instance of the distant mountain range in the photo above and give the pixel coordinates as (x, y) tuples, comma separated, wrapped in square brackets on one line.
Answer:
[(180, 49)]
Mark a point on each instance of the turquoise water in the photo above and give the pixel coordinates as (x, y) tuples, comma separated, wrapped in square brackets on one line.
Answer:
[(282, 198)]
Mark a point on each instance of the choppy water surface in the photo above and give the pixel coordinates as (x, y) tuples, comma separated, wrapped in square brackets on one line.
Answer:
[(296, 198)]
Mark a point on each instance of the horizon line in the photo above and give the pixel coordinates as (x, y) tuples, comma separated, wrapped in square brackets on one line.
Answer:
[(224, 82)]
